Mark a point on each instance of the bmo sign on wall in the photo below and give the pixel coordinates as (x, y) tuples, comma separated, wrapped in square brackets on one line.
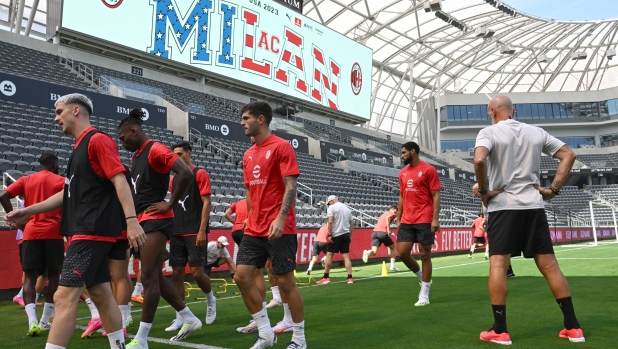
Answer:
[(259, 42), (225, 129), (43, 94)]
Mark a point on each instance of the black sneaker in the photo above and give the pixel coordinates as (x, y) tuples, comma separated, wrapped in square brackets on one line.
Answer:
[(510, 273)]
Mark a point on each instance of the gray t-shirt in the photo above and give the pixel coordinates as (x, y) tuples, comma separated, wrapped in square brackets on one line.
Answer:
[(213, 252), (514, 163), (341, 218)]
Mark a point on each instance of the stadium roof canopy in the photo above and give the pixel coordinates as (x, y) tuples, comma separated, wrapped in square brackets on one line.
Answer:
[(441, 50)]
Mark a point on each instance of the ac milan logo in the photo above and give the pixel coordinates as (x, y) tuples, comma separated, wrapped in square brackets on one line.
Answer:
[(112, 3), (356, 79)]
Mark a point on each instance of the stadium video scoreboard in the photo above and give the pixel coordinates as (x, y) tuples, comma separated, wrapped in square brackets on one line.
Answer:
[(265, 43)]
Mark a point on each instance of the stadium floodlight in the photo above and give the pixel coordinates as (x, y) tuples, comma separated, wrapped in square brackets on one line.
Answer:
[(433, 5), (543, 59), (611, 53), (483, 32), (578, 55), (506, 50)]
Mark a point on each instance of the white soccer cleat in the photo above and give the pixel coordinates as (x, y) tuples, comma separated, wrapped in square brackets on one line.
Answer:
[(250, 328), (282, 327), (261, 343), (486, 256), (274, 303), (366, 256), (323, 261), (187, 329), (294, 345), (422, 302), (394, 268), (129, 320), (211, 313), (175, 326)]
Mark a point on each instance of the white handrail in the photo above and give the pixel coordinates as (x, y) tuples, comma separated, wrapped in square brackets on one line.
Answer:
[(4, 186), (310, 192), (362, 213)]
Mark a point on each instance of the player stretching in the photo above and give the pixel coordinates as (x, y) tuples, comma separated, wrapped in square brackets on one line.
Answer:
[(188, 244), (150, 172), (382, 235), (479, 235), (42, 247), (417, 214), (509, 152), (270, 171), (320, 244), (94, 184)]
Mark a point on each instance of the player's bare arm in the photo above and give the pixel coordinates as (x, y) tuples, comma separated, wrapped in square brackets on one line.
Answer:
[(21, 216), (228, 216), (330, 228), (480, 170), (389, 220), (435, 222), (135, 233), (276, 228), (399, 210), (200, 241), (567, 159), (185, 176)]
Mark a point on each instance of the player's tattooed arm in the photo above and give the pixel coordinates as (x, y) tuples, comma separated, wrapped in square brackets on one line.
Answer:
[(291, 184)]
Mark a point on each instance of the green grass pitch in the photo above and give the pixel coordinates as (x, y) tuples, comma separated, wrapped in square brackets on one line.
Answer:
[(379, 312)]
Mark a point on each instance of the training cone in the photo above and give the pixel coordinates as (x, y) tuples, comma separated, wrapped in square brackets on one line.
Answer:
[(384, 270)]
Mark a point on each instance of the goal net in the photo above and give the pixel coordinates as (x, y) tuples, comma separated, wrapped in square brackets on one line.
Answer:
[(603, 219)]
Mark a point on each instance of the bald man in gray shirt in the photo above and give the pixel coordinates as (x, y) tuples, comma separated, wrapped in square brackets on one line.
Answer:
[(509, 154)]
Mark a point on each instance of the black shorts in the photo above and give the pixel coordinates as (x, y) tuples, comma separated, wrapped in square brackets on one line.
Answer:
[(209, 267), (480, 240), (516, 231), (256, 250), (237, 236), (420, 233), (41, 254), (183, 250), (166, 226), (318, 247), (340, 244), (119, 250), (379, 237), (86, 263)]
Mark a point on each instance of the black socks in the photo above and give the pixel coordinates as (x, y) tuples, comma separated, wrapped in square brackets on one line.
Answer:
[(566, 305), (499, 318)]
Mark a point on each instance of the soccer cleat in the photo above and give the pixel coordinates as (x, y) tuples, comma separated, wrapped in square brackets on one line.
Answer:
[(350, 281), (574, 335), (365, 256), (211, 313), (422, 302), (469, 255), (394, 268), (175, 326), (324, 281), (261, 343), (34, 329), (138, 299), (294, 345), (274, 303), (19, 300), (129, 320), (250, 328), (486, 256), (510, 273), (124, 330), (44, 326), (187, 329), (491, 336), (92, 327), (308, 271), (282, 327), (136, 345), (323, 261)]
